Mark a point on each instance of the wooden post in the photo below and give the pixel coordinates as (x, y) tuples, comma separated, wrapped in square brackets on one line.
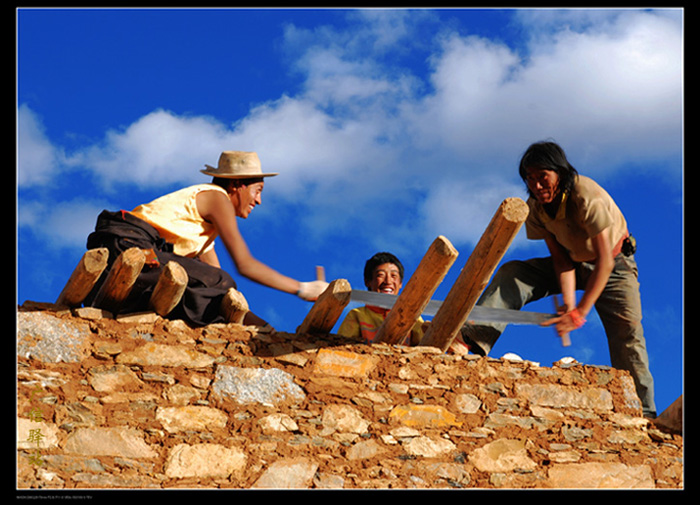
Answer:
[(169, 289), (120, 279), (234, 306), (416, 294), (465, 292), (327, 308), (84, 277)]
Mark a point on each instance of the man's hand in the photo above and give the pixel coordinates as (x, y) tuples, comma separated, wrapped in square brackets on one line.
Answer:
[(310, 291), (565, 324)]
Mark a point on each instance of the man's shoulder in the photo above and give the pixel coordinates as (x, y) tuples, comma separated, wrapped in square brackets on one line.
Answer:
[(585, 185)]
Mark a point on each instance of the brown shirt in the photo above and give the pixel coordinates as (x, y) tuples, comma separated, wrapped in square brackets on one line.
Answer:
[(583, 213)]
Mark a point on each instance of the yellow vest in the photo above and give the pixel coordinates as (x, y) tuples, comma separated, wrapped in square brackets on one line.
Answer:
[(176, 218)]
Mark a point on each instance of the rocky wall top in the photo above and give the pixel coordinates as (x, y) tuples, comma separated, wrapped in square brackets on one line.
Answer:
[(148, 403)]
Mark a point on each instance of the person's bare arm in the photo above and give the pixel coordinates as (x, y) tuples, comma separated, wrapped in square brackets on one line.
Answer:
[(601, 272), (210, 258), (575, 315), (564, 270), (216, 208)]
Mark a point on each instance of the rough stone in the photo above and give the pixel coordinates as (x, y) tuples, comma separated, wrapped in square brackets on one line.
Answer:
[(153, 354), (256, 385), (119, 441), (563, 396), (502, 455), (427, 447), (116, 378), (343, 363), (343, 418), (36, 434), (424, 415), (600, 475), (204, 461), (51, 339), (278, 422), (120, 404), (292, 473), (364, 449), (191, 418)]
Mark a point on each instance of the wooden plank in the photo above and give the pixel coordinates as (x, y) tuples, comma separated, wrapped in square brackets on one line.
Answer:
[(84, 277), (169, 288), (234, 306), (120, 280), (327, 309), (475, 275), (417, 293)]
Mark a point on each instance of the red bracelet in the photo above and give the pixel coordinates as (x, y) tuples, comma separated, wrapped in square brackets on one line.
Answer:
[(577, 318)]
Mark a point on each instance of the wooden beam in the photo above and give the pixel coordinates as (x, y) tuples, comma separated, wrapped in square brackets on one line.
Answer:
[(327, 309), (84, 277), (120, 280), (475, 275), (234, 306), (169, 288), (417, 293)]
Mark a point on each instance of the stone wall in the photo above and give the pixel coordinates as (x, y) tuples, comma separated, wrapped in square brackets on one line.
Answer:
[(153, 404)]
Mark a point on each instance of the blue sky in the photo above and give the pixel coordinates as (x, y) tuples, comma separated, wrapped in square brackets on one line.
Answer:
[(388, 127)]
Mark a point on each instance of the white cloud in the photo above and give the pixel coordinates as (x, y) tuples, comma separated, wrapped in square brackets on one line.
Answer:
[(64, 224), (159, 149), (37, 160), (597, 92), (462, 211), (360, 144), (308, 146)]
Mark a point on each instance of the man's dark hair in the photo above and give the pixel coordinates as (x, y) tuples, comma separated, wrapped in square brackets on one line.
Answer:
[(379, 259), (548, 156)]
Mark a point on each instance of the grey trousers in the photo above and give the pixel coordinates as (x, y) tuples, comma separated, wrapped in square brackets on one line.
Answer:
[(619, 308)]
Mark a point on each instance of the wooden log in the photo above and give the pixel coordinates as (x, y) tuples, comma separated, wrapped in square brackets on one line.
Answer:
[(327, 309), (234, 306), (169, 288), (417, 293), (475, 275), (120, 280), (84, 277)]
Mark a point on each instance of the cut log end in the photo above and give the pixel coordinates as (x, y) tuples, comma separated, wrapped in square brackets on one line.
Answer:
[(340, 290), (444, 247), (474, 277), (169, 289), (95, 260), (327, 309), (120, 279), (418, 290), (234, 306), (515, 210), (84, 277)]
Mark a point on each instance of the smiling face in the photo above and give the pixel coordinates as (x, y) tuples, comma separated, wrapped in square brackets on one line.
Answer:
[(246, 197), (386, 278), (543, 184)]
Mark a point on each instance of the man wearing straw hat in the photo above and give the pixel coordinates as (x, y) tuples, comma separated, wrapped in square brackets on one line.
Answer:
[(182, 226)]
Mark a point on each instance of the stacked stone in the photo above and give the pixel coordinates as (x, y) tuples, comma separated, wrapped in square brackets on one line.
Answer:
[(156, 404)]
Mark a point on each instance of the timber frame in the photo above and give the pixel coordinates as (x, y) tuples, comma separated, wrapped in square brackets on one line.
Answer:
[(329, 306)]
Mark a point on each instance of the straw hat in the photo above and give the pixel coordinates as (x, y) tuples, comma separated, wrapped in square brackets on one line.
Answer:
[(237, 165)]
